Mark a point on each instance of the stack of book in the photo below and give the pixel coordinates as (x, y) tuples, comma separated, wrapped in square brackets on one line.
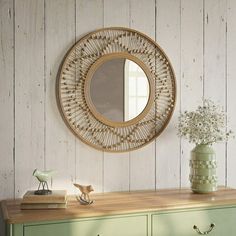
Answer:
[(55, 200)]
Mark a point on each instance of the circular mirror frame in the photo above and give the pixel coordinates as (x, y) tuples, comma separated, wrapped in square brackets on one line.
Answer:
[(73, 98), (90, 103)]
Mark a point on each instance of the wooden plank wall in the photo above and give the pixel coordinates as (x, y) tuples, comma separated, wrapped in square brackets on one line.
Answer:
[(215, 65), (138, 164), (198, 36), (7, 83), (116, 165), (191, 68), (59, 142), (89, 162), (168, 37), (29, 92)]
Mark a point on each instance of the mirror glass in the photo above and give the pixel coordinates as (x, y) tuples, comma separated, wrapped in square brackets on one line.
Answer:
[(119, 89)]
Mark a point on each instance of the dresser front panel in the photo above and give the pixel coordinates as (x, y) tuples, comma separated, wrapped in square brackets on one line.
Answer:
[(181, 223), (121, 226)]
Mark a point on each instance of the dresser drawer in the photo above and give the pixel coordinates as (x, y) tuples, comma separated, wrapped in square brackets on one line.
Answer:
[(122, 226), (182, 223)]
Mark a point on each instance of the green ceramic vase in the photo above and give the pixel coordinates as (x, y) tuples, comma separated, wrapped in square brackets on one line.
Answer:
[(203, 169)]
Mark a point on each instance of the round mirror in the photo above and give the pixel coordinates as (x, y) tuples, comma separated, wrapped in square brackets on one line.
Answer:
[(116, 89), (119, 89)]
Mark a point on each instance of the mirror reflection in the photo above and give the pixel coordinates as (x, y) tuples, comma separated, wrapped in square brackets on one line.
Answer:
[(119, 89)]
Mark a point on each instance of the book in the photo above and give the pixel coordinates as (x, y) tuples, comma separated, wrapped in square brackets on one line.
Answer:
[(29, 206), (57, 196)]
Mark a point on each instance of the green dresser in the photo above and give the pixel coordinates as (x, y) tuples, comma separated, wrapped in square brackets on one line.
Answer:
[(144, 213), (129, 226), (217, 222)]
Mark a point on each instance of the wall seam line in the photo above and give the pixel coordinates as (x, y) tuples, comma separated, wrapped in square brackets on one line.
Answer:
[(129, 12), (14, 98), (155, 149), (103, 154), (226, 91), (45, 89), (203, 50), (180, 91), (75, 147)]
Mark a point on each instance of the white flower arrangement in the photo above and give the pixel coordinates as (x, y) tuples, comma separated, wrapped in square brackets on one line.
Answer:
[(206, 125)]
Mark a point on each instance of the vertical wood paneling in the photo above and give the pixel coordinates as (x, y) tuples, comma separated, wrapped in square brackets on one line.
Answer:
[(89, 162), (231, 88), (118, 17), (116, 165), (60, 142), (116, 172), (168, 149), (29, 92), (143, 160), (142, 168), (194, 38), (191, 69), (6, 99), (215, 65)]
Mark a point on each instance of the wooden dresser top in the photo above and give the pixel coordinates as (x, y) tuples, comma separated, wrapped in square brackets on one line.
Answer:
[(121, 203)]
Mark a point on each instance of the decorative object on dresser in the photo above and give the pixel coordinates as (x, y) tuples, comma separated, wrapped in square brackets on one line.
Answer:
[(172, 212), (43, 177), (57, 199), (84, 198), (96, 95), (203, 127)]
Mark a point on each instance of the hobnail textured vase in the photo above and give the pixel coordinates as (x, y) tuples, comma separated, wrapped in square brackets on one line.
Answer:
[(203, 166)]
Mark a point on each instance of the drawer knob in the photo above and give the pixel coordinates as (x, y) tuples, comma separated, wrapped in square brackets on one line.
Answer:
[(212, 225)]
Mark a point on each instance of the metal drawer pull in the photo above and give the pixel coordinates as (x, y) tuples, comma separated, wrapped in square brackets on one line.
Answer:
[(206, 232)]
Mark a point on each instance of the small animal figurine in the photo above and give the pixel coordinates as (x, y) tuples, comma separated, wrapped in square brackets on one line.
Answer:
[(84, 197), (43, 177)]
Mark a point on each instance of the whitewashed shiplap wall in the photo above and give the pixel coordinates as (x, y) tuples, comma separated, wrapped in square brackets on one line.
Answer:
[(199, 36)]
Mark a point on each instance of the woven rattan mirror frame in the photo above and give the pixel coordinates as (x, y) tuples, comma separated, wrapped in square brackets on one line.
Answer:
[(73, 97)]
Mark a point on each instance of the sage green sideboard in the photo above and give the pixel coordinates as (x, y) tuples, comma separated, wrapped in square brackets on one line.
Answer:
[(146, 213), (127, 225), (181, 223)]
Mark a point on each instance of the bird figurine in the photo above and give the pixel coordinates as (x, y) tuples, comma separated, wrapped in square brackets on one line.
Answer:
[(43, 177), (84, 197)]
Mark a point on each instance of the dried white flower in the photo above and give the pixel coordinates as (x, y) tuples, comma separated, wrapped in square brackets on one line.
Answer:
[(206, 125)]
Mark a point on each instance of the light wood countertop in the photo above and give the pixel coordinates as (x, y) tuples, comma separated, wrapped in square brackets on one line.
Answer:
[(107, 204)]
